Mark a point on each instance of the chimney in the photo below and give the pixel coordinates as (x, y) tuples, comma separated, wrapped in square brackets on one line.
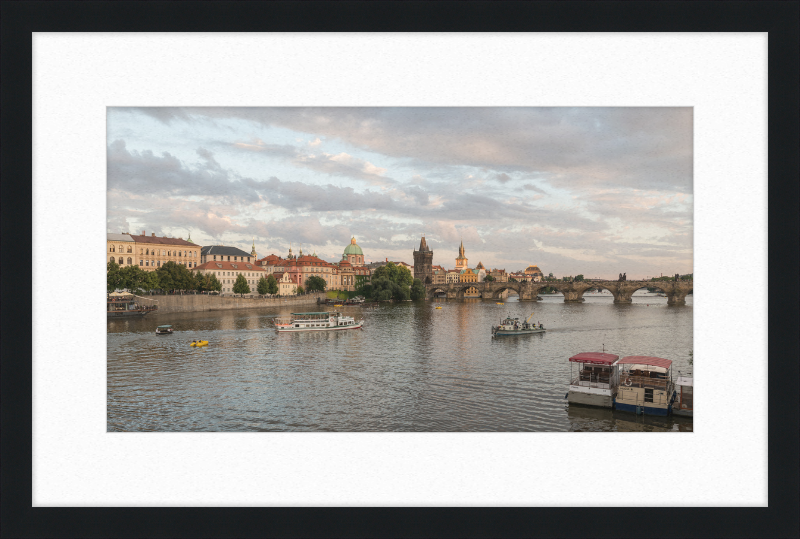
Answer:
[(153, 234), (143, 234)]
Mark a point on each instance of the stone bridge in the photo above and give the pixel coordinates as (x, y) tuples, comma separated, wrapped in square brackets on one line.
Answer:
[(573, 291)]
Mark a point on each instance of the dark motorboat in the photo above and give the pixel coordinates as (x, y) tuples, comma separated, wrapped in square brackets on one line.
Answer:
[(120, 304)]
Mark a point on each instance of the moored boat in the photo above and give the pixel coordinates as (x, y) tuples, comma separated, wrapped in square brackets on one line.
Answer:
[(199, 343), (512, 326), (645, 386), (597, 381), (164, 330), (120, 304), (322, 321), (684, 400)]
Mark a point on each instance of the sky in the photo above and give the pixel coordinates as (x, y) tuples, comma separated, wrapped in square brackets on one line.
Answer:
[(592, 191)]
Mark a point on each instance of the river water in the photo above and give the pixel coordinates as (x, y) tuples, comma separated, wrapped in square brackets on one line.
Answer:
[(412, 368)]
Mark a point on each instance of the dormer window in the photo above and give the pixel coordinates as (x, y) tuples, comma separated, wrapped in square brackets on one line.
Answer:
[(215, 257), (235, 266), (219, 265)]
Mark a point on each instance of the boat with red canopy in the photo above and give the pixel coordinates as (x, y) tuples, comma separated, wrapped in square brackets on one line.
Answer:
[(646, 385), (597, 379)]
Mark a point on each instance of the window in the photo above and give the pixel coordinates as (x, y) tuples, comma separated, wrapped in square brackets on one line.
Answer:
[(146, 262), (141, 262), (111, 249), (120, 249), (130, 261), (130, 250), (159, 263), (229, 259), (179, 253), (163, 252), (112, 258)]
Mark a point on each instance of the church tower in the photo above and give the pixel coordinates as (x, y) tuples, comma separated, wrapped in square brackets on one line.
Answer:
[(461, 261), (423, 263), (253, 252)]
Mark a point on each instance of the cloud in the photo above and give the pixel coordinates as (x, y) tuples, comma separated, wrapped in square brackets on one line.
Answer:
[(531, 187), (644, 147), (597, 189)]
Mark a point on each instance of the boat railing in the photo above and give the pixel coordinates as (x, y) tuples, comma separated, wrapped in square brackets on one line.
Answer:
[(644, 381), (593, 381)]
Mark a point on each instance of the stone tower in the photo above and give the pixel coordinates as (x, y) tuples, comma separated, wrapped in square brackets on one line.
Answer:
[(461, 261), (423, 263)]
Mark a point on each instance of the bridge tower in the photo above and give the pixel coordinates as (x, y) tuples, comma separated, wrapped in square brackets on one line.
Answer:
[(423, 263)]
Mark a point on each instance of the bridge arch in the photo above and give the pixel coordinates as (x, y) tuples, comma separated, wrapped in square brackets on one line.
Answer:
[(496, 291)]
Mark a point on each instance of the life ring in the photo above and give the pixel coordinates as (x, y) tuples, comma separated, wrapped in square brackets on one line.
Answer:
[(628, 381)]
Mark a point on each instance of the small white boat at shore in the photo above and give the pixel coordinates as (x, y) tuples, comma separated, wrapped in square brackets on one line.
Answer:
[(322, 321), (684, 401), (597, 381)]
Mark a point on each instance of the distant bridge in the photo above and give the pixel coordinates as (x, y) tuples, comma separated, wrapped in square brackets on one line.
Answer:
[(622, 291)]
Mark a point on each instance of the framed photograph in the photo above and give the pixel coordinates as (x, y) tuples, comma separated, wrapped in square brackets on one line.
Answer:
[(666, 122)]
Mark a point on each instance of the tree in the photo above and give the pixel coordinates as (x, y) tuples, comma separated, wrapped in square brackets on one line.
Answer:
[(272, 285), (417, 290), (172, 276), (512, 280), (488, 278), (384, 289), (240, 286), (579, 277), (396, 274), (211, 283), (151, 281), (263, 286), (300, 290), (315, 283), (114, 278), (134, 279)]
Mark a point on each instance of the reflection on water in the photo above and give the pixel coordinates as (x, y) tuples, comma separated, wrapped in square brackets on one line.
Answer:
[(412, 368)]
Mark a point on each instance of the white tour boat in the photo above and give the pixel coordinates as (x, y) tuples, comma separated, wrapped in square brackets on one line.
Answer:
[(324, 321)]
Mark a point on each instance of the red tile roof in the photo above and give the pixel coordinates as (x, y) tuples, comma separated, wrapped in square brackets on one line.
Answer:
[(163, 241), (240, 266)]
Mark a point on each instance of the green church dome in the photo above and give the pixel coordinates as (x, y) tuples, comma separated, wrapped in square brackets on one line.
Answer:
[(353, 248)]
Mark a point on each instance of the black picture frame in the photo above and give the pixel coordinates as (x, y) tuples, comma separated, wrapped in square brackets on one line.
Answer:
[(780, 19)]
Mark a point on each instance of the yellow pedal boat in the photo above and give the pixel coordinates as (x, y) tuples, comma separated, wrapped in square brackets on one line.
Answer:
[(199, 343), (438, 307), (500, 303)]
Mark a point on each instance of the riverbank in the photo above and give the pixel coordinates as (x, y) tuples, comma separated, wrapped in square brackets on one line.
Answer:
[(204, 302)]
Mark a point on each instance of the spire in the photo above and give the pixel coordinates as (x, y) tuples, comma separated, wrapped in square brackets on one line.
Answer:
[(461, 249), (190, 238), (253, 252), (423, 245)]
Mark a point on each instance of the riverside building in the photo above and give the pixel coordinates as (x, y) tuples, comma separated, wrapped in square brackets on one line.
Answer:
[(228, 272), (221, 253), (151, 252)]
